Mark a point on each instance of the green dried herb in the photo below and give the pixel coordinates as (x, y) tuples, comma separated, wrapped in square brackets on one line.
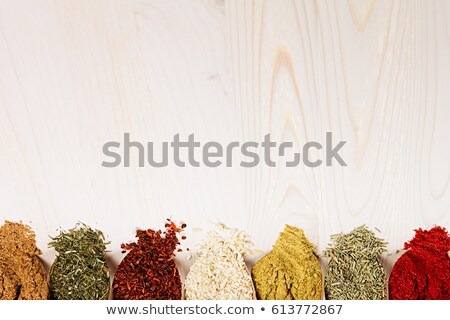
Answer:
[(80, 271), (355, 271)]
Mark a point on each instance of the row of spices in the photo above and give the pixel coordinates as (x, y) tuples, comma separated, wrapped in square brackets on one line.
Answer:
[(290, 271)]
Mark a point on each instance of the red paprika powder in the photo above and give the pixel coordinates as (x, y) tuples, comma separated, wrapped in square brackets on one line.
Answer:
[(148, 271), (423, 272)]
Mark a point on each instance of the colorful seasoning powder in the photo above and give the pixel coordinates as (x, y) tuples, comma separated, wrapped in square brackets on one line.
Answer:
[(22, 275), (290, 271), (219, 271), (148, 271), (423, 272), (355, 271), (80, 271)]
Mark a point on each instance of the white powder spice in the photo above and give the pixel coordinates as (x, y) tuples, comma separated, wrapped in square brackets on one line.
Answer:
[(219, 271)]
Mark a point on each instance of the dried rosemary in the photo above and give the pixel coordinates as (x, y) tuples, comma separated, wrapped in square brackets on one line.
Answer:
[(80, 271), (355, 271)]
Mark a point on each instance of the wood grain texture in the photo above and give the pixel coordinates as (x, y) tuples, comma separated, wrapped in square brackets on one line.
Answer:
[(76, 74)]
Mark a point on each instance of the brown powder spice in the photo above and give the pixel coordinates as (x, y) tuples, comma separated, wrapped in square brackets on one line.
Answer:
[(22, 275)]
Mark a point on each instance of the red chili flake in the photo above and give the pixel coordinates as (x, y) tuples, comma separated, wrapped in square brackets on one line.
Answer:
[(423, 272), (183, 237), (148, 271)]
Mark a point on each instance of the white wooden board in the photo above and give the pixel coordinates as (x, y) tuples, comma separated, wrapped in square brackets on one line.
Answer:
[(76, 74)]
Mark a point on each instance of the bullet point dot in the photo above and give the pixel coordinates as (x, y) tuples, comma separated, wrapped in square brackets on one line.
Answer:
[(262, 309)]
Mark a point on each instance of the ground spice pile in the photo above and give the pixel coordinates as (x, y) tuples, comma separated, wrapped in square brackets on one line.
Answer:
[(80, 271), (423, 272), (22, 275), (290, 271), (219, 271), (148, 271), (355, 271)]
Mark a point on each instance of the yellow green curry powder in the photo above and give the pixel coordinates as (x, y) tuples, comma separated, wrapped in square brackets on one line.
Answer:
[(290, 271)]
